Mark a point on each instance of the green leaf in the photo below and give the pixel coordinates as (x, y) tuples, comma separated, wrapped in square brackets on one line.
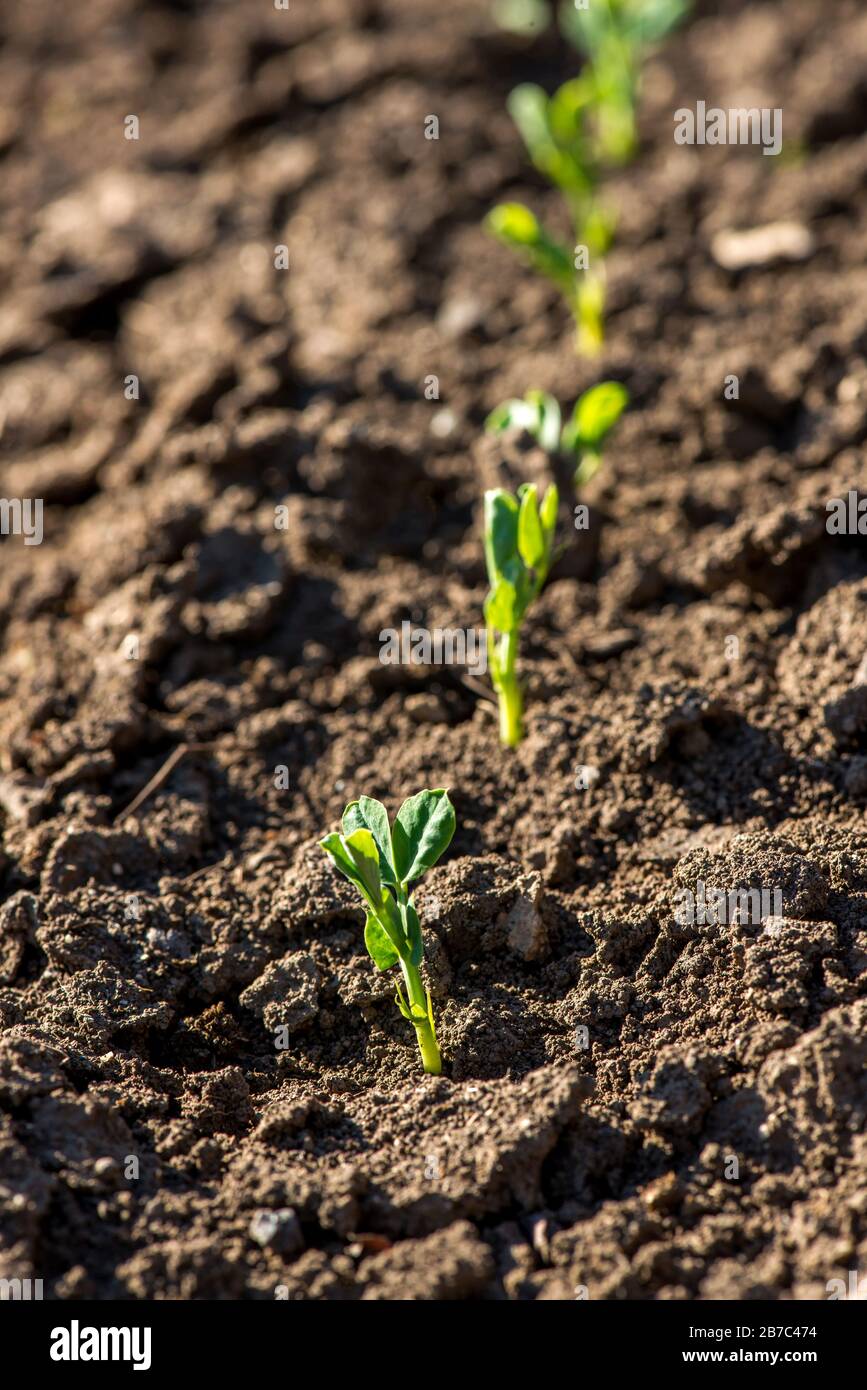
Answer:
[(502, 607), (552, 130), (335, 847), (362, 850), (368, 814), (413, 935), (567, 109), (513, 415), (402, 1004), (595, 415), (538, 414), (531, 541), (547, 410), (501, 532), (423, 830), (379, 945), (528, 107), (548, 514), (516, 226)]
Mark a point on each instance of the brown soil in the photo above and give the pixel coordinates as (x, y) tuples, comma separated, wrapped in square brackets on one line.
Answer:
[(146, 958)]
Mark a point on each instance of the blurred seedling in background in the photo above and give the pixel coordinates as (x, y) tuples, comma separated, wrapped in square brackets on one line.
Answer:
[(615, 36), (519, 536), (581, 438), (555, 132), (382, 862), (572, 137)]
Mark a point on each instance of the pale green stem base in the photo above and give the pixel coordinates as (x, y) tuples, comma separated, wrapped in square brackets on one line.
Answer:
[(511, 714), (508, 690), (421, 1019)]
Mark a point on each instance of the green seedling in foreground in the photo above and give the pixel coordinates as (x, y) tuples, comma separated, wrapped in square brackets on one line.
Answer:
[(593, 417), (382, 862), (519, 536)]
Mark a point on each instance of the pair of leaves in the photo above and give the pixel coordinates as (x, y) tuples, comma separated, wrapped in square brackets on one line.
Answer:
[(381, 861), (593, 418), (519, 534), (422, 832), (552, 129)]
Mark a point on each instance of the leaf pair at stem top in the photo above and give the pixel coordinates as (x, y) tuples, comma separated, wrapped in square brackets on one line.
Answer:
[(572, 137), (593, 417), (519, 541), (382, 861)]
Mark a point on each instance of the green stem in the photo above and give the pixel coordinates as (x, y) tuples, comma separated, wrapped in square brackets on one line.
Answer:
[(424, 1031), (511, 714), (509, 692)]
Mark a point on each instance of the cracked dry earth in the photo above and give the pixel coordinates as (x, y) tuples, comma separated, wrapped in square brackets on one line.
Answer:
[(705, 1138)]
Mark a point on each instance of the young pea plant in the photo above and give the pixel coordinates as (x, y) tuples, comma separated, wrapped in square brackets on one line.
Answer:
[(556, 133), (519, 536), (573, 137), (593, 417), (382, 861)]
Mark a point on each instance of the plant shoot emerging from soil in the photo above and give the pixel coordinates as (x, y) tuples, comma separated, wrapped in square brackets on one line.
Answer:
[(519, 535), (572, 137), (555, 132), (382, 862), (593, 417)]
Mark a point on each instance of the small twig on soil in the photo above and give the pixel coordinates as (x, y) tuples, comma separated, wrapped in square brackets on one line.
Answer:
[(157, 780), (206, 868), (478, 688)]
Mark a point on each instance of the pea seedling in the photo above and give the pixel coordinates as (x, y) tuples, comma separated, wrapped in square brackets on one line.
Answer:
[(555, 132), (382, 862), (572, 137), (593, 417), (519, 535)]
